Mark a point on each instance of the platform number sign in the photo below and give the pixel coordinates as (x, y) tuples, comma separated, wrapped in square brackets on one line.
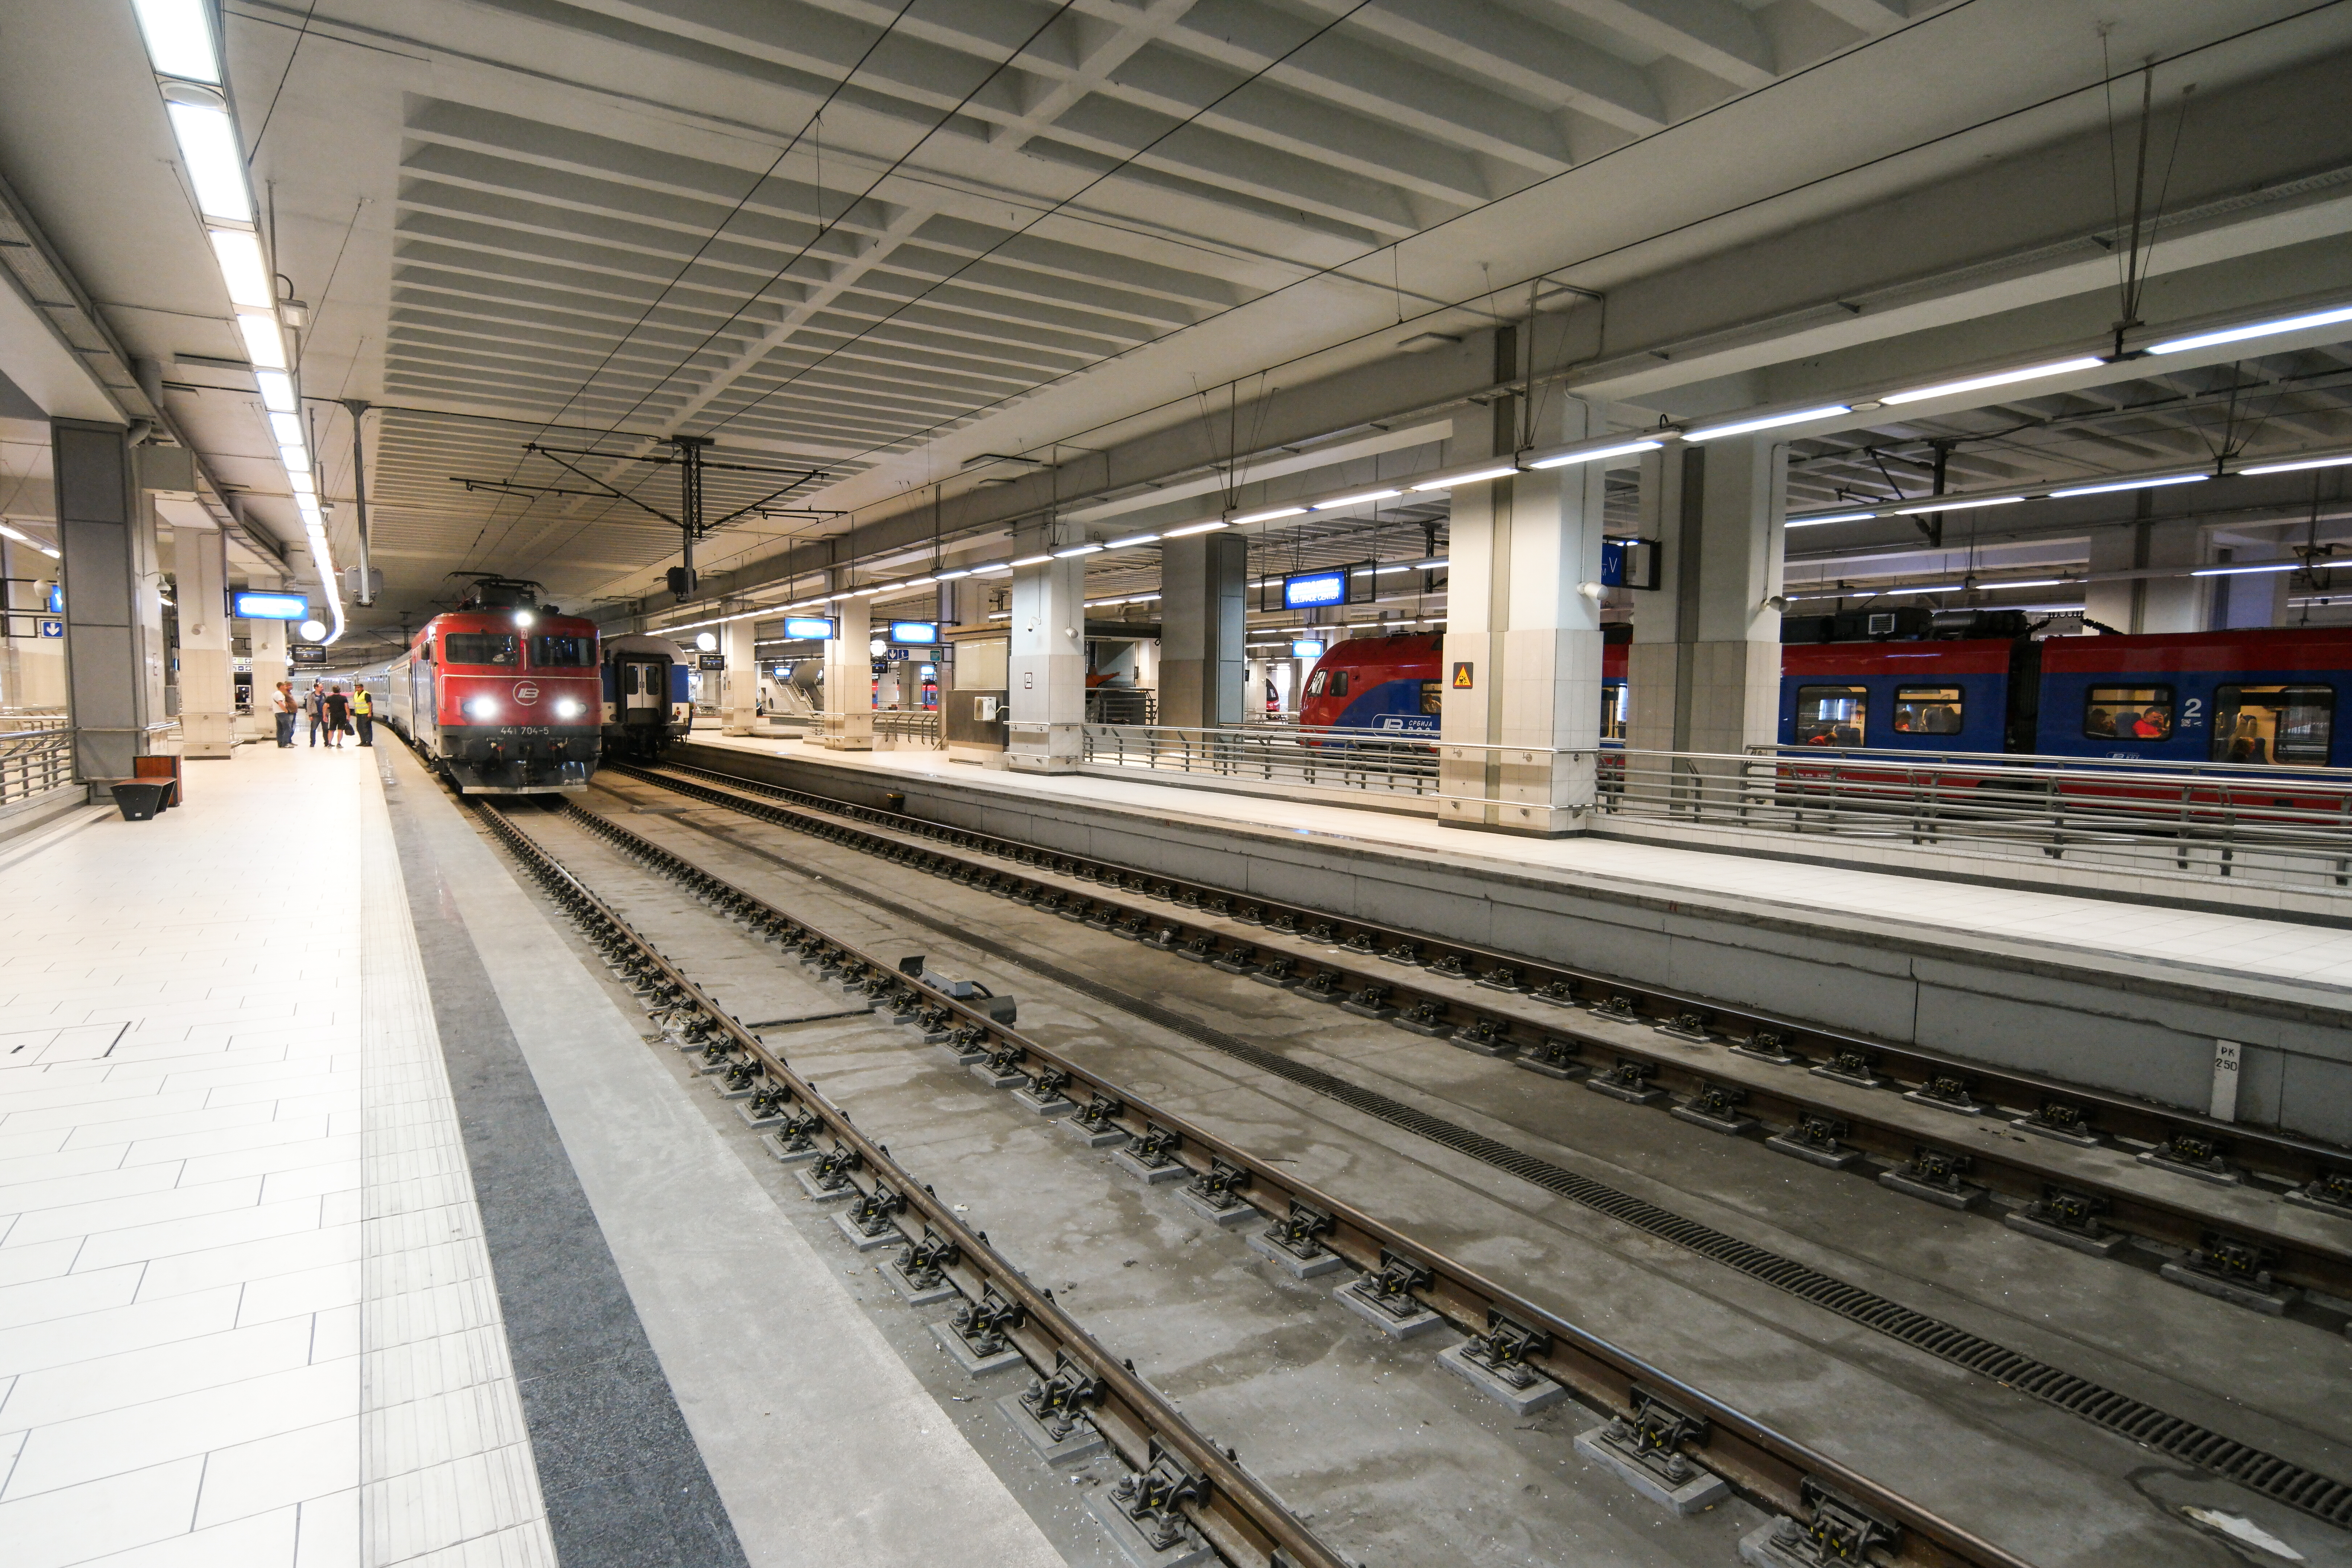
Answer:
[(52, 627), (1465, 678)]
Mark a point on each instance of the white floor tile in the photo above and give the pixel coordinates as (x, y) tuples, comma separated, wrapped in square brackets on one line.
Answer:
[(74, 1524), (107, 1382), (61, 1341), (262, 1541), (281, 1470)]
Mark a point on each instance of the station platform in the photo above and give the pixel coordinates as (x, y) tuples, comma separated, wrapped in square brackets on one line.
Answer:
[(2125, 994), (345, 1218)]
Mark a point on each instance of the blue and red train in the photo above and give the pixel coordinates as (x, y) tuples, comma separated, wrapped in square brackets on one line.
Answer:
[(2259, 698)]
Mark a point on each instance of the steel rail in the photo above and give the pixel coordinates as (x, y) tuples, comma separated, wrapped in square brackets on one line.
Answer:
[(1621, 1023), (1245, 1524), (2315, 1493)]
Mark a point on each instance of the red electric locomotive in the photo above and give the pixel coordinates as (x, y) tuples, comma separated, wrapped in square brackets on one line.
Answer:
[(502, 695)]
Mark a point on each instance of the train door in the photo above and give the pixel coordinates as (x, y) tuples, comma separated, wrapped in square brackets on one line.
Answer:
[(642, 697)]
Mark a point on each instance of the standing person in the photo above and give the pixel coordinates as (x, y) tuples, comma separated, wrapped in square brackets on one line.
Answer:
[(315, 706), (283, 708), (338, 715), (364, 711)]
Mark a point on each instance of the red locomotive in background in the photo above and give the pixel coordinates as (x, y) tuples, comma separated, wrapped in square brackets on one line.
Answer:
[(503, 696)]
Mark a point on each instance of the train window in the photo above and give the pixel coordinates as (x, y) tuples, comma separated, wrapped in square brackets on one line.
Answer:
[(2289, 725), (1615, 709), (562, 652), (1927, 709), (1339, 683), (1314, 682), (1432, 699), (479, 648), (2128, 713), (1832, 715)]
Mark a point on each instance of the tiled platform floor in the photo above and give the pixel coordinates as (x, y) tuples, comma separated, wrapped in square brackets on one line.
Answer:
[(2217, 942), (245, 1315)]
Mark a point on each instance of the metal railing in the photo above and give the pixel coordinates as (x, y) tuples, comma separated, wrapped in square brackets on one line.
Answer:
[(35, 757), (2268, 823), (918, 726)]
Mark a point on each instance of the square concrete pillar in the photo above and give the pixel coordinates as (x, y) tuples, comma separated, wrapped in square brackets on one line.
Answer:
[(268, 642), (207, 683), (1520, 711), (1705, 665), (114, 609), (738, 698), (1203, 610), (2148, 604), (1048, 664), (848, 722)]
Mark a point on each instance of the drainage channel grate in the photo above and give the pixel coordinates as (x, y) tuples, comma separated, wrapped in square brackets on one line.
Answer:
[(2320, 1496)]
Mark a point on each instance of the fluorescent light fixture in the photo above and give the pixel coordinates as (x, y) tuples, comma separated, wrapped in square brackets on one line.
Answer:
[(301, 484), (1833, 517), (179, 38), (2129, 485), (264, 345), (296, 460), (238, 251), (1354, 501), (1928, 588), (1193, 528), (277, 390), (1033, 560), (11, 533), (918, 582), (1594, 455), (2256, 330), (1958, 503), (288, 427), (47, 551), (2297, 467), (1996, 378), (951, 576), (2242, 571), (209, 151), (1449, 480), (1769, 422), (2031, 583), (999, 569), (1076, 549), (1270, 516), (1132, 540)]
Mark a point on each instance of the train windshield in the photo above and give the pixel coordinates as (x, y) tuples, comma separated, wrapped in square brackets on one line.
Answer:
[(1832, 715), (562, 652), (2289, 725), (2128, 713), (480, 647), (1927, 709)]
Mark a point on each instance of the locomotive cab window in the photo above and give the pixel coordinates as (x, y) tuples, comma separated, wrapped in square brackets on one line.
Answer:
[(480, 647), (1832, 715), (2128, 713), (1339, 683), (1314, 682), (1928, 709), (2292, 726), (560, 652), (1432, 699), (1614, 710)]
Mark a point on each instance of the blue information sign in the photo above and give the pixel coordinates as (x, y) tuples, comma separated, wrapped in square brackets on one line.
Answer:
[(1305, 647), (914, 631), (254, 607), (1309, 589), (52, 628), (809, 628)]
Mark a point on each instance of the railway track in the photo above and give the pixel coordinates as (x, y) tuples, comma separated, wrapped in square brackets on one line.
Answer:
[(2318, 1495), (1837, 1100), (1180, 1489), (1842, 1508)]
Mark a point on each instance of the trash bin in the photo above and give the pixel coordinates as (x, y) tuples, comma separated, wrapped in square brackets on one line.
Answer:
[(140, 799), (160, 766)]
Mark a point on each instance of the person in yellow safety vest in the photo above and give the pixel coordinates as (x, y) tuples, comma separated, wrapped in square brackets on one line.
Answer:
[(363, 709)]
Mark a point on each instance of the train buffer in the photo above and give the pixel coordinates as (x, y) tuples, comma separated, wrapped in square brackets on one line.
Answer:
[(970, 992)]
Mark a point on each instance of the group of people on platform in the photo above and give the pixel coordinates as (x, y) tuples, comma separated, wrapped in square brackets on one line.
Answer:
[(333, 711)]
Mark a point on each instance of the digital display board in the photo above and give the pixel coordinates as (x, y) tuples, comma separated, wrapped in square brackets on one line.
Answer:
[(271, 606), (1305, 647), (306, 653), (1306, 590), (914, 631), (809, 628), (710, 660)]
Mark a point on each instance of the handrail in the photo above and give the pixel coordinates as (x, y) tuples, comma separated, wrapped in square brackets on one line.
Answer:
[(35, 761)]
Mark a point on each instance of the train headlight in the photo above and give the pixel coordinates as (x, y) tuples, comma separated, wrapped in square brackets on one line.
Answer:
[(566, 708), (481, 708)]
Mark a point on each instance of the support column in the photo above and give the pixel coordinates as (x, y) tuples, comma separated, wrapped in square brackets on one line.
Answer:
[(1521, 666), (1706, 661), (207, 682), (848, 722), (1203, 609), (2147, 604), (1048, 664), (268, 640), (114, 613), (736, 710)]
